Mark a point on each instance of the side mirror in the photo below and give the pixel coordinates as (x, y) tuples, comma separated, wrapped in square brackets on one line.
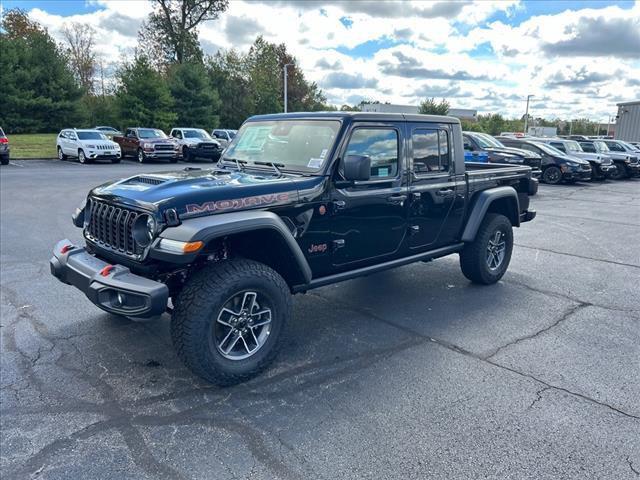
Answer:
[(357, 167)]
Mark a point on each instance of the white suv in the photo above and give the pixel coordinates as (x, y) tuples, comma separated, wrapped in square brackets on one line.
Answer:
[(195, 142), (87, 146)]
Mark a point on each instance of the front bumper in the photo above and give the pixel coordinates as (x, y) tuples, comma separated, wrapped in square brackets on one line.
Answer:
[(633, 169), (104, 156), (576, 173), (157, 154), (112, 288), (605, 171), (212, 153)]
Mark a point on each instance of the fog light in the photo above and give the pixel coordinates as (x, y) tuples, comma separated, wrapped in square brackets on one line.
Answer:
[(120, 299)]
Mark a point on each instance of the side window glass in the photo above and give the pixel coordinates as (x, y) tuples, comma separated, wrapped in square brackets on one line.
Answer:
[(467, 144), (430, 151), (444, 151), (379, 144)]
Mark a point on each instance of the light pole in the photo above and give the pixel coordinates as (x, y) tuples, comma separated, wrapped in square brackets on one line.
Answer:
[(285, 84), (526, 114)]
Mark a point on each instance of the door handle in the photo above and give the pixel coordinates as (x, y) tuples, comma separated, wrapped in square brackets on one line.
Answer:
[(396, 198), (445, 192)]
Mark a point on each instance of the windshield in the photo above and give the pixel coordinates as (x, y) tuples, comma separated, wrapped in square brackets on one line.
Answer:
[(91, 136), (549, 149), (151, 133), (295, 144), (628, 147), (196, 133), (486, 141), (232, 133), (600, 146), (572, 146)]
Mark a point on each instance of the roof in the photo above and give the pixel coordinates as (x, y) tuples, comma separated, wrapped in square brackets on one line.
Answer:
[(626, 104), (362, 116)]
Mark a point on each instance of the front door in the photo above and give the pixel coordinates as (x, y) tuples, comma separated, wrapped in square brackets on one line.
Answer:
[(436, 198), (368, 221)]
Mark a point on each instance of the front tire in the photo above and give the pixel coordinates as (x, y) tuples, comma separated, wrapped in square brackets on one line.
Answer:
[(82, 158), (61, 156), (141, 156), (229, 320), (486, 259), (115, 160), (552, 175)]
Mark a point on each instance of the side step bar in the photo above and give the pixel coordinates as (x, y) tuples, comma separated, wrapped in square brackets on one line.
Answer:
[(341, 277)]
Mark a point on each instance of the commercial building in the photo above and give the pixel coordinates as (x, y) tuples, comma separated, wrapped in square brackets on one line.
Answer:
[(461, 113), (628, 121)]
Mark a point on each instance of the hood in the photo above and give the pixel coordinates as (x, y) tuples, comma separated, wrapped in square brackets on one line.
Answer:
[(513, 151), (575, 159), (201, 192), (594, 157), (196, 141), (105, 143), (158, 140)]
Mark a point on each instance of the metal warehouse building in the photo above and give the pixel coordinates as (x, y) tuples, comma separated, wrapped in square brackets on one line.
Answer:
[(628, 121)]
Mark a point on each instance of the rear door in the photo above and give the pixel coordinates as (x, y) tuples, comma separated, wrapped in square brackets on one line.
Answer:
[(369, 218), (436, 196)]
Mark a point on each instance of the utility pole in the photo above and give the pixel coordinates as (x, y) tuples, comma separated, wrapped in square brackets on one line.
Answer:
[(285, 84), (526, 115)]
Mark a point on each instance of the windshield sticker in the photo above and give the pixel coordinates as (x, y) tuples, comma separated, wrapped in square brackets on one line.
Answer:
[(240, 203), (315, 163), (324, 153), (253, 139)]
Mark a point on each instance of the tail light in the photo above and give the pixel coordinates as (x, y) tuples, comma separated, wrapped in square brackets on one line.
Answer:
[(4, 140)]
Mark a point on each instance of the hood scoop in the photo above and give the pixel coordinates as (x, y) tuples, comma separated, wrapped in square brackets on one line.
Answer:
[(145, 180)]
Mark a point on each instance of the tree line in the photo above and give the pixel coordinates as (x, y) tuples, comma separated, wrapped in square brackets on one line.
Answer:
[(168, 81)]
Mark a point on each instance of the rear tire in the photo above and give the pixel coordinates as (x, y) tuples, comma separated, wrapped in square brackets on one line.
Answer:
[(486, 259), (4, 160), (552, 175), (218, 307)]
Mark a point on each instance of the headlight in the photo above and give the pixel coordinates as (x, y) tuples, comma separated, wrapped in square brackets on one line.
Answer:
[(147, 145), (91, 146), (144, 230), (573, 164), (627, 160)]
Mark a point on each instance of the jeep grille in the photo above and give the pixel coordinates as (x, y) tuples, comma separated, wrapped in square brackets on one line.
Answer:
[(111, 226)]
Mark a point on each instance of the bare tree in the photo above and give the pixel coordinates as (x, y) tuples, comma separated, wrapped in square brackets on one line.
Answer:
[(80, 42), (170, 35)]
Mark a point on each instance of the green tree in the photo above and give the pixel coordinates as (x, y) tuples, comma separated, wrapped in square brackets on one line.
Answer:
[(170, 34), (143, 97), (39, 93), (430, 107), (196, 103), (469, 126), (228, 76)]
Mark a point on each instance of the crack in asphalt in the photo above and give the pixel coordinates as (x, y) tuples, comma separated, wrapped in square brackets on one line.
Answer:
[(557, 252), (637, 472), (458, 349), (568, 313)]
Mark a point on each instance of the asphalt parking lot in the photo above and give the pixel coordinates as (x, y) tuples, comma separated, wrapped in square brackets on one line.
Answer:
[(411, 373)]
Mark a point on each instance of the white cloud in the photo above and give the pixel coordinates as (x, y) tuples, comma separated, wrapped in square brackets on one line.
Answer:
[(577, 63)]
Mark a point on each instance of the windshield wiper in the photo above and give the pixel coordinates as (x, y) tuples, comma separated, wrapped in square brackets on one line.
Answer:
[(272, 164), (238, 163)]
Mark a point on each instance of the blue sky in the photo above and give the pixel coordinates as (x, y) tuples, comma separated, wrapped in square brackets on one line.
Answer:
[(578, 58)]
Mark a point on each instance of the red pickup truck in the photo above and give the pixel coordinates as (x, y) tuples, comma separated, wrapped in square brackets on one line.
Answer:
[(148, 143)]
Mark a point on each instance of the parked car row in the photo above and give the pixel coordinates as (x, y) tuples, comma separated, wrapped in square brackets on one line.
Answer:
[(107, 143), (555, 160), (4, 148)]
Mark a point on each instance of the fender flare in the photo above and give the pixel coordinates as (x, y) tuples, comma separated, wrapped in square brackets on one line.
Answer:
[(481, 204), (208, 228)]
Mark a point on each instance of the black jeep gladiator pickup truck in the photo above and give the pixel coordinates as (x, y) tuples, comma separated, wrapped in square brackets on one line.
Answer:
[(296, 202)]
